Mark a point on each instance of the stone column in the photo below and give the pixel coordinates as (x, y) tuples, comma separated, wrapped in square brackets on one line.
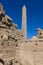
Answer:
[(24, 23)]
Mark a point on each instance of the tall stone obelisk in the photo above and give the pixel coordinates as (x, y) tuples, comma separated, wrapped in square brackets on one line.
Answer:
[(24, 22)]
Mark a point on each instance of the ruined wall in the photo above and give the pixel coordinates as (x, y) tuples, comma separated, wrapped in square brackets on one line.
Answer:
[(14, 49), (31, 52)]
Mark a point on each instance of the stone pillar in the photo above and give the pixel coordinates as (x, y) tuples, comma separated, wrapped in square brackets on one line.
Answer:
[(24, 23)]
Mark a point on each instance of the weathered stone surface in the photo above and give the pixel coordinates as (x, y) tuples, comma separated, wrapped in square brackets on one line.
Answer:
[(14, 48)]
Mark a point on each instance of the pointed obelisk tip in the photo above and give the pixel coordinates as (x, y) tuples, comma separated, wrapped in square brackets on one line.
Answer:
[(24, 6)]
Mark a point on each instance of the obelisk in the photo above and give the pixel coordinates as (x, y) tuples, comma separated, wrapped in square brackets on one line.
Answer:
[(24, 22)]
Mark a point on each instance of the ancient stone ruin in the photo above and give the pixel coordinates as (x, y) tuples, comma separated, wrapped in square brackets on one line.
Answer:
[(15, 49)]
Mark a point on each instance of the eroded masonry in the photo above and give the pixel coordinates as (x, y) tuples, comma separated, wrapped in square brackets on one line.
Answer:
[(15, 49)]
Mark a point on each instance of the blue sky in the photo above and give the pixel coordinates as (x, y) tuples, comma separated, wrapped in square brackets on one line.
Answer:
[(13, 8)]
